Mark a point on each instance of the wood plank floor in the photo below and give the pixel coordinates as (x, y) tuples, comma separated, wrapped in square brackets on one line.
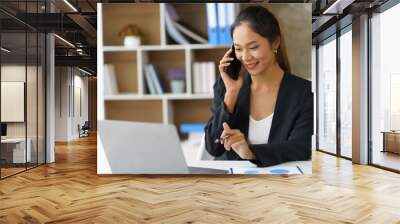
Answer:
[(70, 191)]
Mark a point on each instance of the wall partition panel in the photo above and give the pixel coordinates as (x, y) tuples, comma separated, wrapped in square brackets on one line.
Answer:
[(32, 98), (385, 88), (327, 95), (41, 107), (346, 92), (14, 153), (23, 89)]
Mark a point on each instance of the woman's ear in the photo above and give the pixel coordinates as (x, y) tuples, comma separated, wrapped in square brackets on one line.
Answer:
[(277, 43)]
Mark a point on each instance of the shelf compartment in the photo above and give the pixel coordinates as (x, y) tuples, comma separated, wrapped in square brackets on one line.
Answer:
[(125, 65), (215, 55), (142, 111), (164, 60), (186, 13), (190, 111), (145, 16)]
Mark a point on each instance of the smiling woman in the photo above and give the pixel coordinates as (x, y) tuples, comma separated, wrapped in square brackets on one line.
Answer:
[(266, 115)]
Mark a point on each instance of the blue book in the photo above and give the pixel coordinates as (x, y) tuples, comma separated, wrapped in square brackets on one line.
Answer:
[(192, 127), (223, 27), (212, 23), (230, 15)]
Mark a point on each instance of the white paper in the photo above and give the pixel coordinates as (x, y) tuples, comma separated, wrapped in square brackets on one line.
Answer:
[(267, 170)]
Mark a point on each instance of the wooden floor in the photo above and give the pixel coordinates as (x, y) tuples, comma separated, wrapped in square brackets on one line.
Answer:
[(10, 171), (70, 191)]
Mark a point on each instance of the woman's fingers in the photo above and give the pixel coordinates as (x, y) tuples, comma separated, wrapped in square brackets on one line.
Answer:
[(240, 149), (224, 65), (223, 134), (228, 52), (231, 140), (230, 132), (224, 60)]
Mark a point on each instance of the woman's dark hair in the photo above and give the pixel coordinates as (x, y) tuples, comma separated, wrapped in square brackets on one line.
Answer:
[(263, 22)]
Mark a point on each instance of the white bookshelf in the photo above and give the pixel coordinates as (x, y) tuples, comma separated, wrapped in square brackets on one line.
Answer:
[(129, 62), (162, 47), (167, 96)]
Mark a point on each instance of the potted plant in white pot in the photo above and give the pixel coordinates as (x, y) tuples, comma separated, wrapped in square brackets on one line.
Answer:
[(131, 35)]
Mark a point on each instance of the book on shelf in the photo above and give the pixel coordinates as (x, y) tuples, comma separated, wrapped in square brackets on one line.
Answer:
[(110, 80), (148, 80), (156, 78), (179, 31), (153, 79), (223, 29), (196, 77), (212, 23), (187, 31), (220, 17), (170, 16), (226, 17), (231, 15), (204, 76), (212, 76)]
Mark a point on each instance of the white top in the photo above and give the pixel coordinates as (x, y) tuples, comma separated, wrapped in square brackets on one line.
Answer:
[(259, 130)]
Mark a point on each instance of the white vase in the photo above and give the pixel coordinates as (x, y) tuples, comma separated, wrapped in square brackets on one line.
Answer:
[(177, 86), (131, 41)]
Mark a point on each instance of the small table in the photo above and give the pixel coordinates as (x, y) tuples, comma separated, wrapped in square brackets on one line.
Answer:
[(391, 141)]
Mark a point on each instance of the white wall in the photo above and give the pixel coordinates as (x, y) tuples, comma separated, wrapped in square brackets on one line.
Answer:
[(70, 83), (61, 103), (12, 73), (17, 73)]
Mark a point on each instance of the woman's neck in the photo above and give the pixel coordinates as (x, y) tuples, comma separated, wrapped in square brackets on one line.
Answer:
[(269, 79)]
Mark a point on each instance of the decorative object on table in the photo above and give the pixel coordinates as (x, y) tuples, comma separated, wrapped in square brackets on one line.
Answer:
[(177, 80), (131, 34)]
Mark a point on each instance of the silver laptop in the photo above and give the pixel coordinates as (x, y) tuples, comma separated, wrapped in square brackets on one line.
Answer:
[(145, 148)]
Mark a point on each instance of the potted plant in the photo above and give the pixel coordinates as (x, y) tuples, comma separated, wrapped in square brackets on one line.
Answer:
[(176, 76), (131, 34)]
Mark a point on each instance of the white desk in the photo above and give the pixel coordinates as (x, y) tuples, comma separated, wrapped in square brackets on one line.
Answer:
[(19, 149), (191, 152), (305, 166)]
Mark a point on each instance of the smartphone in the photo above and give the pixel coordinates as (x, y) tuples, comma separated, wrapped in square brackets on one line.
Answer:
[(234, 68)]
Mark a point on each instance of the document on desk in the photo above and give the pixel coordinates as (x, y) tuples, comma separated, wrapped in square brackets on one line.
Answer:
[(267, 170)]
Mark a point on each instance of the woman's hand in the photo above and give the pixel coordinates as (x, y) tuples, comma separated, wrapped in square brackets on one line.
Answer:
[(230, 84), (233, 138)]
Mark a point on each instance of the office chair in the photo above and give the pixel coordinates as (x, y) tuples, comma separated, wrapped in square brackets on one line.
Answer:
[(84, 130)]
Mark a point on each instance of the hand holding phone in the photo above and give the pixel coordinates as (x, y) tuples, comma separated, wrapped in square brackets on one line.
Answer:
[(229, 68), (234, 68)]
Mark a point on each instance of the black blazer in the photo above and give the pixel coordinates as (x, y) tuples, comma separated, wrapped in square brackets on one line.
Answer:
[(291, 128)]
